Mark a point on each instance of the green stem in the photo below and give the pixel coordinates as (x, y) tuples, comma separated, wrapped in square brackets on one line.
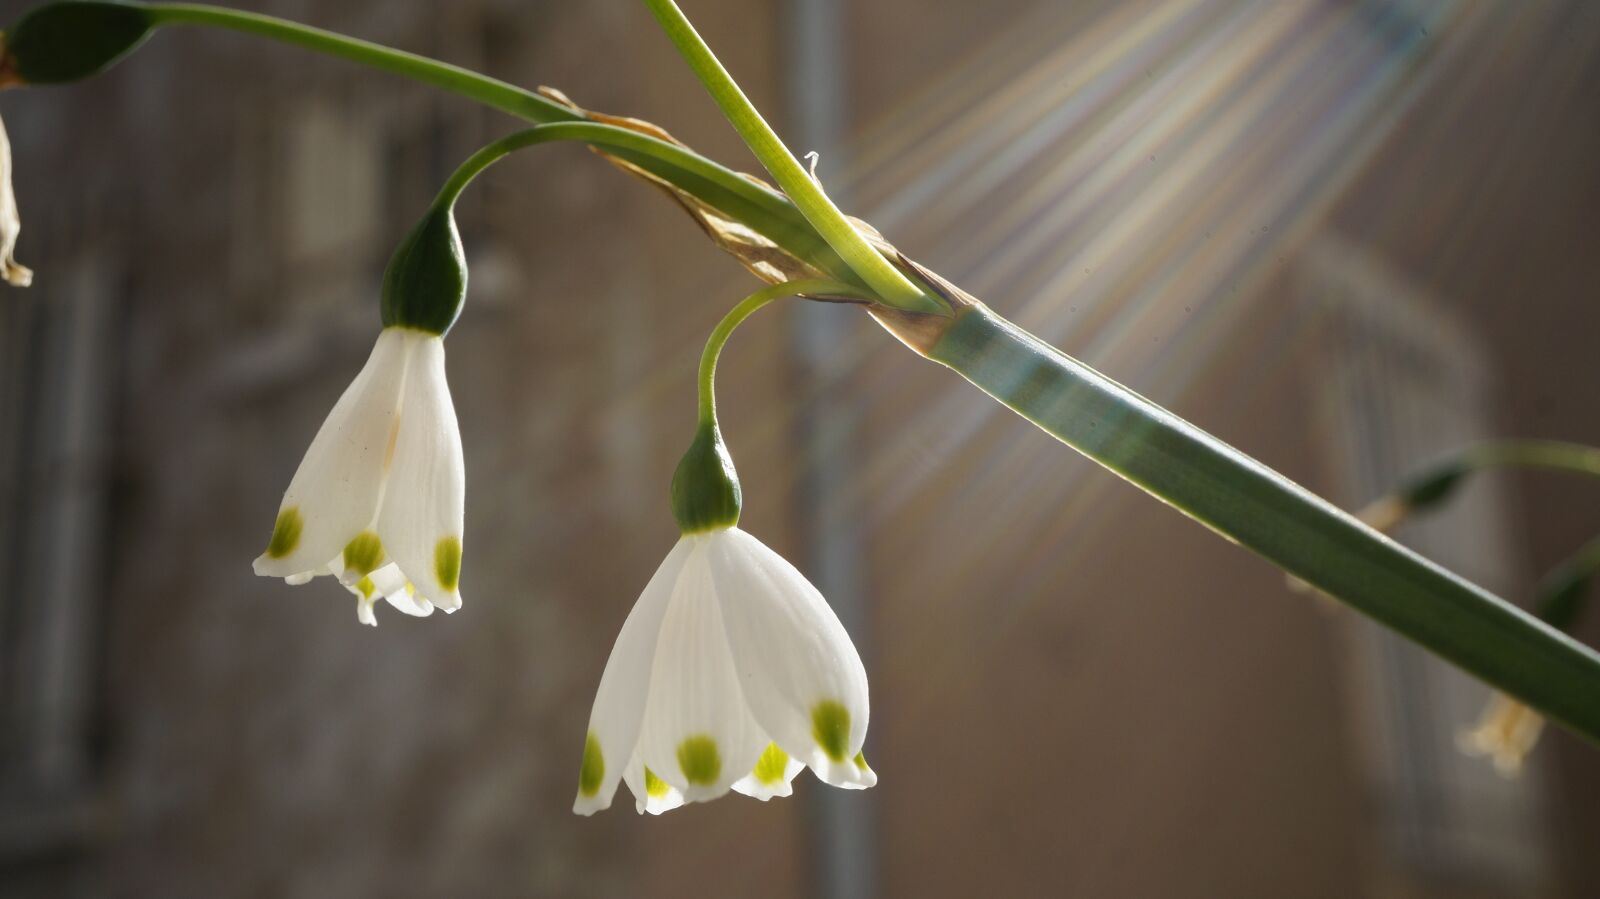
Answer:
[(765, 211), (736, 316), (515, 100), (891, 285), (1251, 505), (1553, 455)]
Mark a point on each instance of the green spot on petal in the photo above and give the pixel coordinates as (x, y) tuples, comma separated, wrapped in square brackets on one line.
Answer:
[(594, 767), (366, 586), (447, 562), (700, 761), (285, 533), (861, 760), (770, 767), (830, 727), (363, 554), (654, 787)]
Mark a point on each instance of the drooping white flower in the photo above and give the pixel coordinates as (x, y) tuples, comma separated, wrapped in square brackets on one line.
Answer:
[(731, 672), (15, 274), (378, 500)]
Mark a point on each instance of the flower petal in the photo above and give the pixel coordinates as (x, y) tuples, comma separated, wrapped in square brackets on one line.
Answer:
[(15, 274), (650, 793), (619, 702), (335, 492), (772, 775), (698, 733), (421, 513), (801, 675)]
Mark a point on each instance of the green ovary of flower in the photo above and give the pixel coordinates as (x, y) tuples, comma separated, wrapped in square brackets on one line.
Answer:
[(594, 767), (699, 760), (830, 727)]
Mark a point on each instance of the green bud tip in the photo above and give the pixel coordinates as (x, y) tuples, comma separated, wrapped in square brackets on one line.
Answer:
[(1433, 486), (705, 488), (71, 40), (426, 281)]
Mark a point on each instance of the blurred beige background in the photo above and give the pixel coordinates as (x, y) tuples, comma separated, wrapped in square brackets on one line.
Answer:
[(1344, 236)]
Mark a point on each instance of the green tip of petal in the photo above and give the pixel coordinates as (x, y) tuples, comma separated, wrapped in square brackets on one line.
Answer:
[(364, 554), (700, 761), (366, 586), (771, 766), (286, 533), (447, 562), (654, 787), (861, 761), (830, 726), (594, 767)]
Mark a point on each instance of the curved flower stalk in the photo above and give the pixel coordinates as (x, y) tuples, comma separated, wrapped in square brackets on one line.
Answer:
[(731, 672), (378, 500), (14, 273)]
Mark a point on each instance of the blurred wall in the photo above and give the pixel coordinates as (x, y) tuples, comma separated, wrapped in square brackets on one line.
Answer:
[(1076, 690)]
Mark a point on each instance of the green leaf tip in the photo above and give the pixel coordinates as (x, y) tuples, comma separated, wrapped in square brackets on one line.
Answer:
[(426, 281), (705, 488), (68, 41)]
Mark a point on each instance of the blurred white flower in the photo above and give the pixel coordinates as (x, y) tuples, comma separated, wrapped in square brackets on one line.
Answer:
[(1505, 734), (10, 222), (731, 672), (379, 496)]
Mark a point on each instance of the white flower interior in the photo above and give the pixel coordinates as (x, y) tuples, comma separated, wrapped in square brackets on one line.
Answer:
[(731, 672)]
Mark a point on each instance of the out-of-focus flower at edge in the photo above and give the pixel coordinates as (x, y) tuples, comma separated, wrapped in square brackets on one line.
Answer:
[(10, 222), (730, 672), (378, 500), (1505, 734)]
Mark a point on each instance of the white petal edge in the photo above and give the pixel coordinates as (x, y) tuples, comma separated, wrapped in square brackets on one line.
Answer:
[(424, 501), (619, 701), (643, 802)]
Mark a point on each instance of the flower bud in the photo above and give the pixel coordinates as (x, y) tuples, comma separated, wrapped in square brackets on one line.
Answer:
[(426, 281), (72, 40)]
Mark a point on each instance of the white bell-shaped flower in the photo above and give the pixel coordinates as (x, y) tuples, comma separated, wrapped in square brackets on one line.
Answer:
[(378, 500), (10, 222), (731, 672)]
